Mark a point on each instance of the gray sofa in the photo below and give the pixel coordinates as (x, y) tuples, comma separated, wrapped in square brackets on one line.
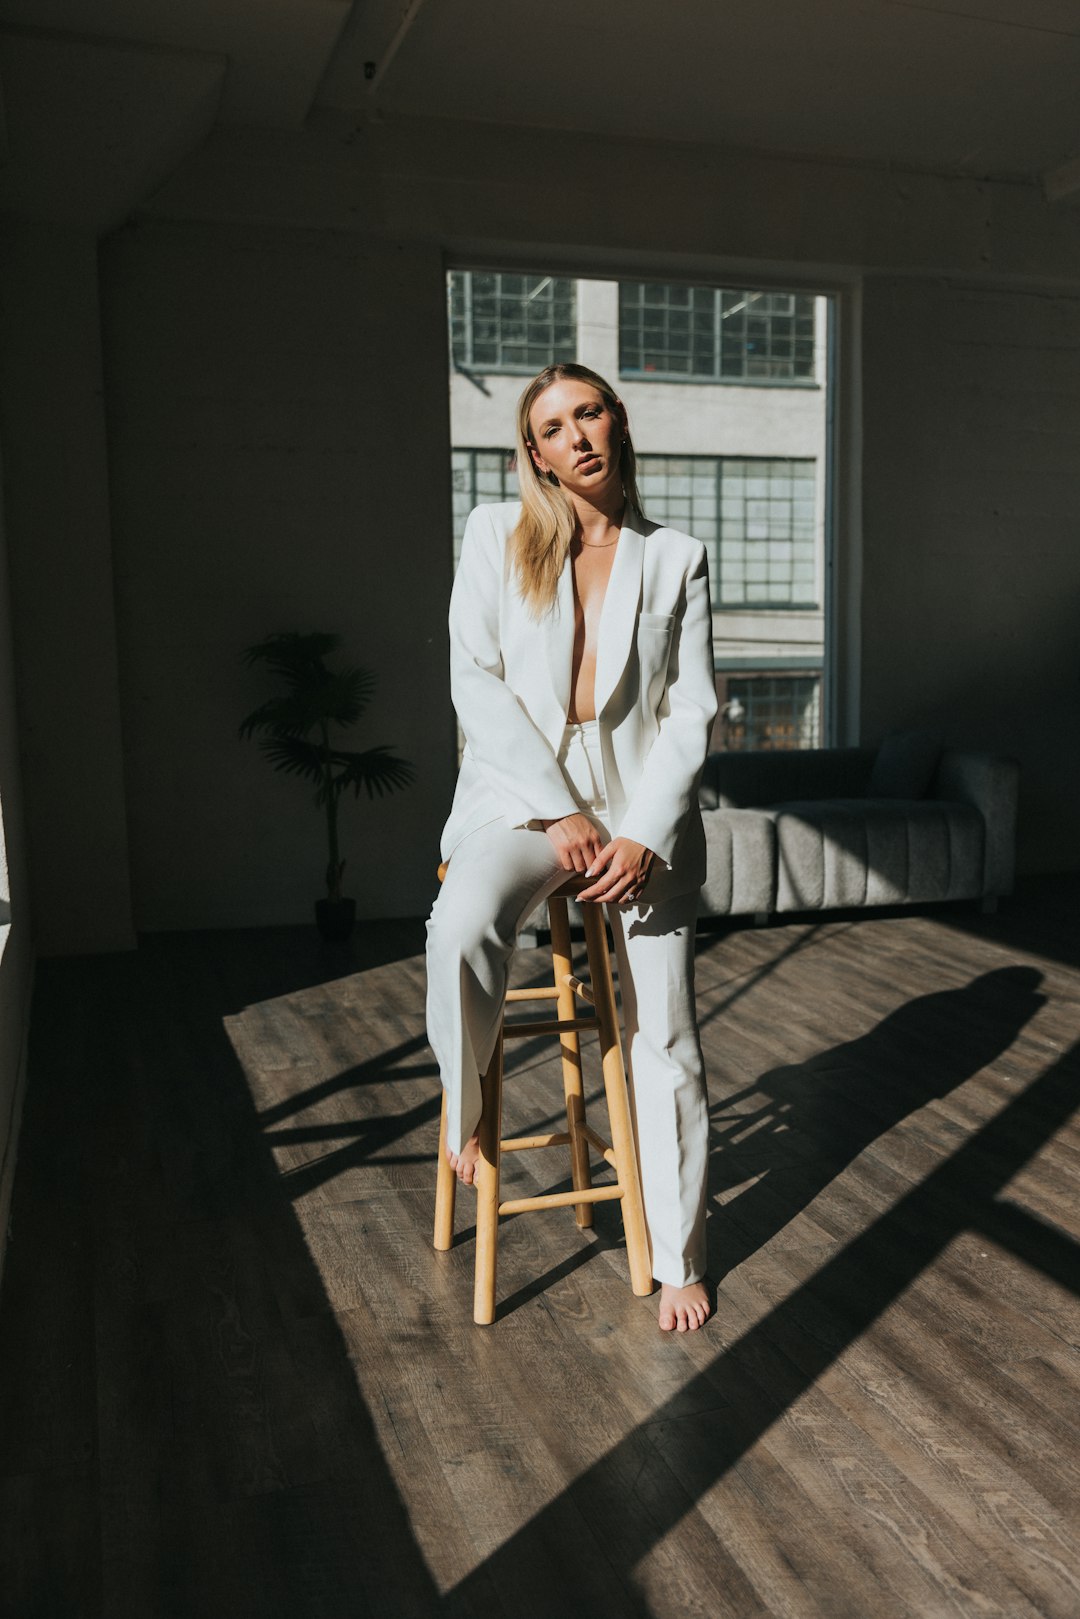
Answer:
[(809, 830)]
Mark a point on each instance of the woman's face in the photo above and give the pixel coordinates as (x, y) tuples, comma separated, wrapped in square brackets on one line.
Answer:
[(577, 437)]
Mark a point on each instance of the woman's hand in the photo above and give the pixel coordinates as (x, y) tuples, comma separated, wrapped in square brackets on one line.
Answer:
[(628, 865), (576, 840)]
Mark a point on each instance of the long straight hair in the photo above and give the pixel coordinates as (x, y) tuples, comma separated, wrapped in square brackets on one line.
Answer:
[(540, 543)]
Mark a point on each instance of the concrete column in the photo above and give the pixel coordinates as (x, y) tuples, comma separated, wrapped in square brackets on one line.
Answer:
[(56, 509), (598, 327)]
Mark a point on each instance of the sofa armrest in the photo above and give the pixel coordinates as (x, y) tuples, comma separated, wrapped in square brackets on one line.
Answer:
[(989, 782)]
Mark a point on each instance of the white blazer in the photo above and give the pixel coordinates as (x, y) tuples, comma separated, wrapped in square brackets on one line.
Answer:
[(655, 692)]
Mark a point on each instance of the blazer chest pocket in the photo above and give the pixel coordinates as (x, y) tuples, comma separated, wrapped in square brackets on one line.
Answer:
[(654, 632), (654, 645)]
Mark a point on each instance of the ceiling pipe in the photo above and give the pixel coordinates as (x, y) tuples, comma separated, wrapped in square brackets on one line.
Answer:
[(375, 72)]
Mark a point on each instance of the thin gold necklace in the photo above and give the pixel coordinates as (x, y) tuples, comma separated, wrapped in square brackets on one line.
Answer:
[(591, 545)]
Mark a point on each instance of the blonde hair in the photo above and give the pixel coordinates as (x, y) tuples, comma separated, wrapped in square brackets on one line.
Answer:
[(540, 543)]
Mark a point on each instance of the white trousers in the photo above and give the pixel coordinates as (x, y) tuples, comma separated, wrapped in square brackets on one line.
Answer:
[(496, 876)]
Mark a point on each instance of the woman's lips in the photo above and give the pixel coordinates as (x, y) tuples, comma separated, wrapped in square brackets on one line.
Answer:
[(585, 459)]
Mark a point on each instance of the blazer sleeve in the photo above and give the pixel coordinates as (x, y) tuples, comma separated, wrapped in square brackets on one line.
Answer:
[(667, 788), (514, 756)]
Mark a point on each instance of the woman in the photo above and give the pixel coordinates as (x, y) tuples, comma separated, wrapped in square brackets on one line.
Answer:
[(581, 671)]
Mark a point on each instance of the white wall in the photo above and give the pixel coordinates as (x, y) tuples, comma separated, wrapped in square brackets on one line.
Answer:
[(971, 552), (16, 930), (279, 460), (56, 509)]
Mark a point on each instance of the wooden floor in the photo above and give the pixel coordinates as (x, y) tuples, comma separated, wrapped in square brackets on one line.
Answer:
[(235, 1379)]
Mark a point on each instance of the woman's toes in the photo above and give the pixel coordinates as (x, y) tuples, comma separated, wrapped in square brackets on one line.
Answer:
[(683, 1309), (463, 1163)]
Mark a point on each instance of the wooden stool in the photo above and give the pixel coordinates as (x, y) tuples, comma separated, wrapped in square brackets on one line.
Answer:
[(578, 1135)]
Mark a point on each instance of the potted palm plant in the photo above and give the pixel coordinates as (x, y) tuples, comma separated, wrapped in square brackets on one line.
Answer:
[(296, 726)]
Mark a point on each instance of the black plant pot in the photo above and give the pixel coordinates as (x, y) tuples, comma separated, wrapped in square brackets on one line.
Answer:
[(335, 918)]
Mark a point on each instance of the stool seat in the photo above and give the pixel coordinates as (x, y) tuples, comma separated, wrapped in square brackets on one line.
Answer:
[(566, 990)]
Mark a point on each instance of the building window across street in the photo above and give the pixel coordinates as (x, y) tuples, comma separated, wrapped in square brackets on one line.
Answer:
[(755, 516), (768, 711), (503, 322), (677, 333)]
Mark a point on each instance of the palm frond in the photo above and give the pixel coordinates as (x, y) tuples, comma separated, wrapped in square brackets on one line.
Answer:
[(292, 654), (357, 688), (377, 770), (340, 697), (271, 715), (295, 757)]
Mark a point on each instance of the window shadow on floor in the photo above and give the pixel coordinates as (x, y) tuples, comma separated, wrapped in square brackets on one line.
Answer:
[(649, 1480)]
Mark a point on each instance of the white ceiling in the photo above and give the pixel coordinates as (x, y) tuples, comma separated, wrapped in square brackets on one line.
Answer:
[(978, 87), (986, 88)]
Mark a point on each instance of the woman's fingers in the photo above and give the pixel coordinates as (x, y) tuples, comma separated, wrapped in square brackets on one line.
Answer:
[(576, 841), (601, 855), (611, 887), (628, 865)]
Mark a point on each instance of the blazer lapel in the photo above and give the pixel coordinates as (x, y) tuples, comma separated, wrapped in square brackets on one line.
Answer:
[(619, 613), (559, 639)]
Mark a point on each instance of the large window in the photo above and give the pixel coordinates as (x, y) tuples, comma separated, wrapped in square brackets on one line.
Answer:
[(745, 473), (755, 516), (502, 322), (676, 333)]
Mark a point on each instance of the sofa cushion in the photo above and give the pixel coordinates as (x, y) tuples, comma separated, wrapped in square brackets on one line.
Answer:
[(742, 863), (905, 765), (820, 853), (851, 852)]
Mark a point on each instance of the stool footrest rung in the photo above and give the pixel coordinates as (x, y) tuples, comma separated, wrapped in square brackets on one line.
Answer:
[(543, 992), (555, 1025), (561, 1200), (604, 1148), (579, 987), (560, 1138)]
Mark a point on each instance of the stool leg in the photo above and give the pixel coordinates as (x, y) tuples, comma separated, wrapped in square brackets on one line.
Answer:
[(570, 1044), (487, 1189), (445, 1189), (618, 1101)]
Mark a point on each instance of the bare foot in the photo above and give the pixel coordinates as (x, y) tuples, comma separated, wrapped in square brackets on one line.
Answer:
[(463, 1163), (683, 1309)]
